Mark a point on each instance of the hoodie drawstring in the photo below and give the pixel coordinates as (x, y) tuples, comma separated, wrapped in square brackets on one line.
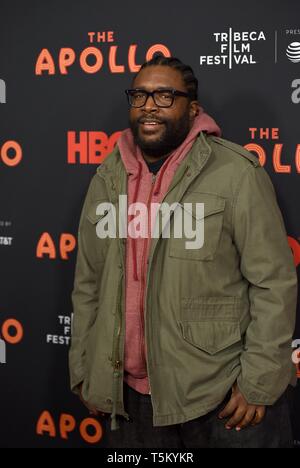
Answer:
[(160, 177), (133, 244)]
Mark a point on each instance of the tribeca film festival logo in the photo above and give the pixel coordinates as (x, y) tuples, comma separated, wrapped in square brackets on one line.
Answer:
[(93, 57), (185, 216), (65, 322), (235, 48), (11, 333)]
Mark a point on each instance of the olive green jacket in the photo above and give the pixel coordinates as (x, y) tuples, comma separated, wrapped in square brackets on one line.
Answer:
[(213, 316)]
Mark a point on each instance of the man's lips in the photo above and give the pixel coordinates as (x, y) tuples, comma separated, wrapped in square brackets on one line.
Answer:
[(150, 124)]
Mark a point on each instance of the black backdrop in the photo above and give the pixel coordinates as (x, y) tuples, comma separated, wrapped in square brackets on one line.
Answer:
[(61, 107)]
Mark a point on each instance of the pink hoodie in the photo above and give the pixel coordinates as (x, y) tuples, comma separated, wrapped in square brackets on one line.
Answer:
[(143, 189)]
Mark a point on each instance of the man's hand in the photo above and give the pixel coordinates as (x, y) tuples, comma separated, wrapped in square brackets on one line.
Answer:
[(240, 412), (92, 409)]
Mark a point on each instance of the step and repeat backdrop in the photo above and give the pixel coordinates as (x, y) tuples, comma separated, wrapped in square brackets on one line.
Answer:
[(63, 70)]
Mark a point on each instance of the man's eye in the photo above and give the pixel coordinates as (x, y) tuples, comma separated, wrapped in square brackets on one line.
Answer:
[(166, 95), (138, 95)]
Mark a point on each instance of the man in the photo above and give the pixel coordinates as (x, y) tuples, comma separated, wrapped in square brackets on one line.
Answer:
[(183, 347)]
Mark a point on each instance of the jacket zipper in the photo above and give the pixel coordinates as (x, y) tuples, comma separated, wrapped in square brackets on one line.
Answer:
[(148, 275), (143, 273), (143, 276), (116, 362)]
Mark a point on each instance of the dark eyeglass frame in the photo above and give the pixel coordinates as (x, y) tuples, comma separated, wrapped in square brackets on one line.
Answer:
[(173, 91)]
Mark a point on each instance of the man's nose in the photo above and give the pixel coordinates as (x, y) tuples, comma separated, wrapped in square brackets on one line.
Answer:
[(150, 105)]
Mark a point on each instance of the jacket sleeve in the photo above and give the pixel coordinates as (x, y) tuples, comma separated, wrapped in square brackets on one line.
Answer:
[(84, 297), (266, 261)]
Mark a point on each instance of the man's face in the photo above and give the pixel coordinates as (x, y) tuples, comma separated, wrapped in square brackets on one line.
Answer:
[(172, 123)]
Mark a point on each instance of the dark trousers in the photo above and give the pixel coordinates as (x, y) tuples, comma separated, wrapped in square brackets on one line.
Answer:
[(203, 432)]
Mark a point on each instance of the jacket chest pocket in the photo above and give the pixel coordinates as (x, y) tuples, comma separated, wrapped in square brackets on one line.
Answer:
[(211, 323), (208, 225), (99, 212)]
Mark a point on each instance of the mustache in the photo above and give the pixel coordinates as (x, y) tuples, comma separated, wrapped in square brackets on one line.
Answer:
[(148, 119)]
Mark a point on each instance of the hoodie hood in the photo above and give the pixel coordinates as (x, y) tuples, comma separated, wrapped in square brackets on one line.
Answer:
[(131, 154)]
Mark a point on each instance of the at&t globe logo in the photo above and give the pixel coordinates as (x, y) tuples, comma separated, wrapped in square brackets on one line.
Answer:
[(293, 52)]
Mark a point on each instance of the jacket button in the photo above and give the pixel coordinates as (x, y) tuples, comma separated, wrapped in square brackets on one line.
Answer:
[(109, 401)]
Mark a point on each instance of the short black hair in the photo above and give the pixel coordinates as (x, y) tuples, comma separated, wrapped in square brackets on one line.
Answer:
[(186, 71)]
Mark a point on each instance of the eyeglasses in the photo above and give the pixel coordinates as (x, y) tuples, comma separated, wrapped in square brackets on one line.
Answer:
[(161, 97)]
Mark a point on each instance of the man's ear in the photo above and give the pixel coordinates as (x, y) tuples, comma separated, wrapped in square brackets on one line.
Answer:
[(194, 109)]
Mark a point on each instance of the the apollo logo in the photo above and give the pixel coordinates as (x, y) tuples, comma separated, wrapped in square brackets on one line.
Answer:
[(235, 48), (277, 156), (11, 333), (293, 52), (46, 246), (67, 57), (270, 135), (90, 147), (92, 59), (2, 92), (90, 429), (10, 153)]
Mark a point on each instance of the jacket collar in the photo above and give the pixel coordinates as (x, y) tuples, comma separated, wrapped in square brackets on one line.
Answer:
[(112, 170)]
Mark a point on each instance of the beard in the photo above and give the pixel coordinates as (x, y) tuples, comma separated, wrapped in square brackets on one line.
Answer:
[(172, 135)]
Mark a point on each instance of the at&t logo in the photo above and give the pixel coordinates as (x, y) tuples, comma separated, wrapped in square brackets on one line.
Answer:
[(293, 52)]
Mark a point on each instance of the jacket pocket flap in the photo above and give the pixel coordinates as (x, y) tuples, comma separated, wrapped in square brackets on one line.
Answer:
[(211, 336), (213, 204), (211, 323)]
